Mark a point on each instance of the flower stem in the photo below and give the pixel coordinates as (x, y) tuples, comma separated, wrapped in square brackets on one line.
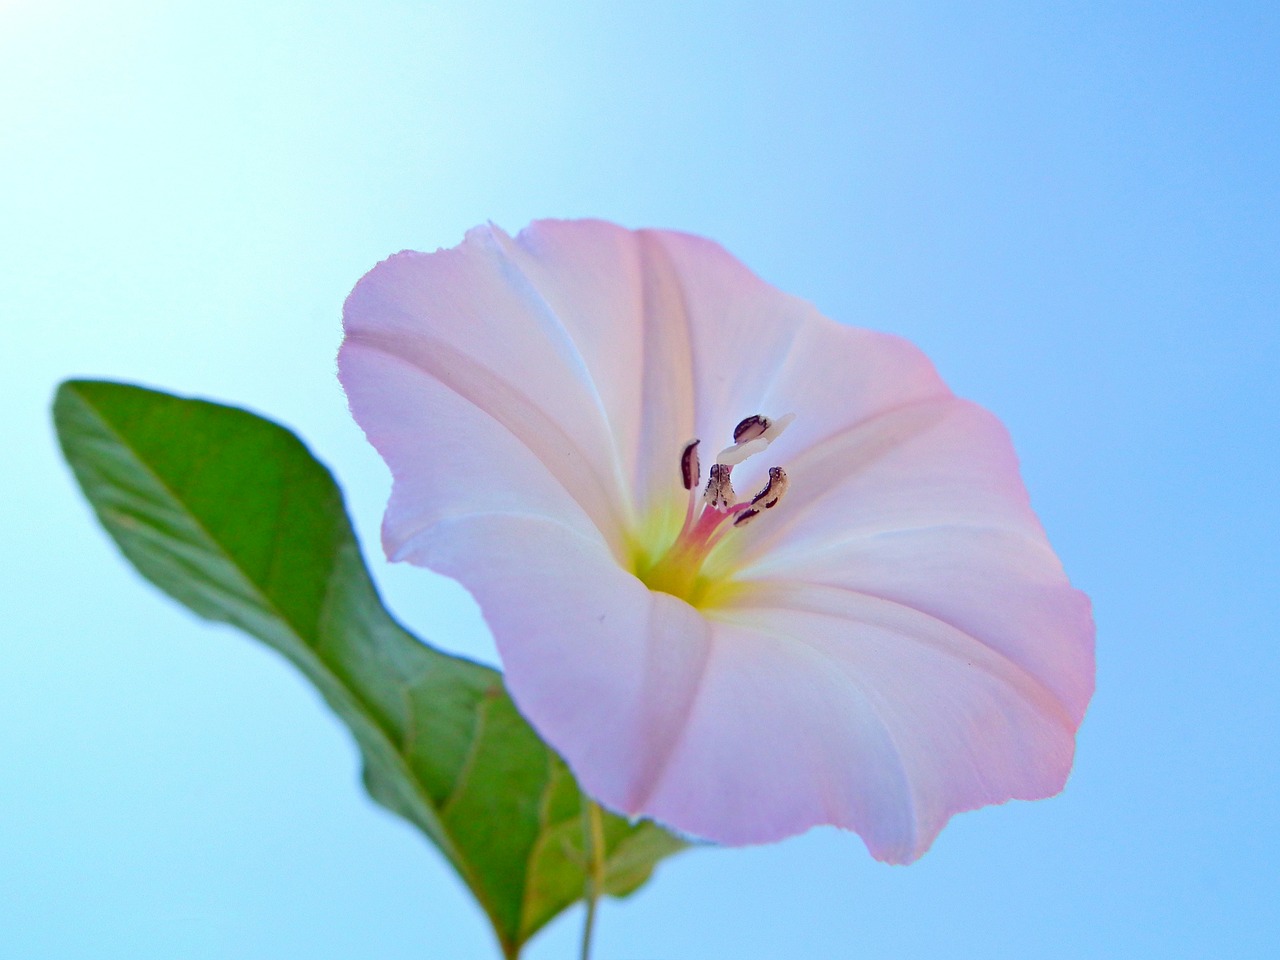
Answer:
[(593, 840)]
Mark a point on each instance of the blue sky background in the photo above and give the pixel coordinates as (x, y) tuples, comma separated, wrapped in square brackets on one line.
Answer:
[(1073, 208)]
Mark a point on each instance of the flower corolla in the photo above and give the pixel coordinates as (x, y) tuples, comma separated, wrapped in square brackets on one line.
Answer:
[(851, 616)]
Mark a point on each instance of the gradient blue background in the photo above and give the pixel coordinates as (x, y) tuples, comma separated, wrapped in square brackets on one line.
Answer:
[(1072, 208)]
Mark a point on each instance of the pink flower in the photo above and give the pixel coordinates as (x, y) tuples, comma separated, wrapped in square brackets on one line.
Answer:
[(875, 634)]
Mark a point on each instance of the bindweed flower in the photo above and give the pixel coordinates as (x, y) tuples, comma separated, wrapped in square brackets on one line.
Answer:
[(748, 570)]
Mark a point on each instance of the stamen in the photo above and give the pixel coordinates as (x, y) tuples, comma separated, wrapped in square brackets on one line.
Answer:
[(707, 523), (719, 493), (750, 428), (777, 426), (752, 435), (690, 468), (773, 490)]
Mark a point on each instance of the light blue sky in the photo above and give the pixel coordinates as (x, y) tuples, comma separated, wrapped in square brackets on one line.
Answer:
[(1072, 207)]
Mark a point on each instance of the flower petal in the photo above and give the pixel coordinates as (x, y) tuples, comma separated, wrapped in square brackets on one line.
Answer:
[(606, 670), (836, 376), (601, 350), (621, 303), (924, 506), (875, 717), (500, 384), (807, 705), (682, 339)]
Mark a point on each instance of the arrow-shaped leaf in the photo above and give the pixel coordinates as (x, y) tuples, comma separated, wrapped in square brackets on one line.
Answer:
[(230, 515)]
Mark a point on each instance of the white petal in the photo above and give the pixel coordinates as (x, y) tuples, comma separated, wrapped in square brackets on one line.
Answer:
[(801, 705), (604, 669), (681, 338), (825, 706), (924, 506), (621, 302), (447, 456), (467, 321)]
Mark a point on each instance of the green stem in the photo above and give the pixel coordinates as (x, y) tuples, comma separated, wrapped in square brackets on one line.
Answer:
[(593, 839)]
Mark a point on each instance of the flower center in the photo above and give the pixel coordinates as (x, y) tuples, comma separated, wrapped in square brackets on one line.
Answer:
[(714, 514)]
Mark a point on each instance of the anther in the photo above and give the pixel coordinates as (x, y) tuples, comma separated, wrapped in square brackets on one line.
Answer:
[(690, 468), (752, 435), (773, 490), (719, 492), (745, 517), (750, 428)]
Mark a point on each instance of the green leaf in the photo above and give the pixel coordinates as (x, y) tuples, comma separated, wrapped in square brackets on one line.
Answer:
[(230, 515)]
